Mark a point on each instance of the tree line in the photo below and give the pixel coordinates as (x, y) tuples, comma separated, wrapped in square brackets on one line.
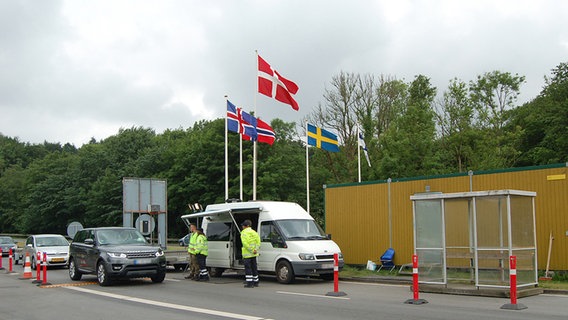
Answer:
[(410, 128)]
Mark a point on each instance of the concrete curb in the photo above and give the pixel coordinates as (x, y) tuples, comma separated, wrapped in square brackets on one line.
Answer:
[(408, 281)]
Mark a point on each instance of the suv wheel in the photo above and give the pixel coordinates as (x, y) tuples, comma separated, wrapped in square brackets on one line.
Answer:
[(74, 274), (102, 275), (159, 277)]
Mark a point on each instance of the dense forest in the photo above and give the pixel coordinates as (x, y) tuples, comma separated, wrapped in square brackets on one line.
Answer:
[(410, 128)]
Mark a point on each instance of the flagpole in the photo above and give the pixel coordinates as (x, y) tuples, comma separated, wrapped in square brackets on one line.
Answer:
[(358, 153), (241, 166), (254, 143), (226, 151), (307, 173)]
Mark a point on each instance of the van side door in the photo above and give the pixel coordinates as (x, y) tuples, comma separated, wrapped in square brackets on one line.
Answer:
[(272, 245), (219, 245)]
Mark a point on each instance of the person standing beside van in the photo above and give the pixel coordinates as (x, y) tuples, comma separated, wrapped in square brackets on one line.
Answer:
[(251, 246), (193, 265), (201, 252)]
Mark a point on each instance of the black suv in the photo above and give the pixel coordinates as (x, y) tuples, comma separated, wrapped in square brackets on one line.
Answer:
[(115, 252)]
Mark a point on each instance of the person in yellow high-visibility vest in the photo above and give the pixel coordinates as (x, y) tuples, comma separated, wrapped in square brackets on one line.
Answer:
[(201, 252), (251, 246), (193, 265)]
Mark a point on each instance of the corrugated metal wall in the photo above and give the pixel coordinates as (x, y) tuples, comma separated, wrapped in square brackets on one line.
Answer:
[(358, 215)]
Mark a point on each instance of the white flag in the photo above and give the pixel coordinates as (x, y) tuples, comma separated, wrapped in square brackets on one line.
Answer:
[(363, 145)]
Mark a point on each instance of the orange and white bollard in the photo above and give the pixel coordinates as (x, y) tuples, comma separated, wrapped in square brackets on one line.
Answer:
[(513, 287), (415, 289), (27, 268), (336, 292)]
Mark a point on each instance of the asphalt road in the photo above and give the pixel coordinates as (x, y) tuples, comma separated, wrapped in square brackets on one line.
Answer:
[(225, 298)]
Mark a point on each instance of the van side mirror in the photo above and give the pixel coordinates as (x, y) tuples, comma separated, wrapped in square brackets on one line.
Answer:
[(89, 241), (328, 236), (277, 241)]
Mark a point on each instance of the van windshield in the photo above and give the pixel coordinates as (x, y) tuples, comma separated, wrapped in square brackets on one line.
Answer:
[(301, 230)]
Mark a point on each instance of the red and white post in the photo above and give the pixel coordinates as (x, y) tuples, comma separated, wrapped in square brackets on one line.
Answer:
[(336, 292), (513, 287), (38, 268), (415, 289), (10, 261), (44, 263)]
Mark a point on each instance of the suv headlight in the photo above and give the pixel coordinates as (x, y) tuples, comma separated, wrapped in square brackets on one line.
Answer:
[(307, 256), (159, 253), (117, 255)]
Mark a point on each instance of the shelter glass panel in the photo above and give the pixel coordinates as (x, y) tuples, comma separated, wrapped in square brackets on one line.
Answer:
[(491, 214)]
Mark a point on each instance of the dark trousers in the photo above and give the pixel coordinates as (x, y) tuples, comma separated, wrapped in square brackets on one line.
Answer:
[(251, 271), (201, 259)]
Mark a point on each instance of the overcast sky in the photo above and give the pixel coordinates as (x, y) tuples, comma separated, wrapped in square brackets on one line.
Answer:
[(77, 69)]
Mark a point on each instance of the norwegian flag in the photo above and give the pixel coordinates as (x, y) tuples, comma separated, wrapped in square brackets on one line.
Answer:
[(265, 133), (274, 85)]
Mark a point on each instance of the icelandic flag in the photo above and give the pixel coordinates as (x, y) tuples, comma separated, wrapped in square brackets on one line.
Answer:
[(241, 122)]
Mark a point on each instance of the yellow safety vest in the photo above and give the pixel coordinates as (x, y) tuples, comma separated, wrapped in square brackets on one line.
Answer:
[(251, 243)]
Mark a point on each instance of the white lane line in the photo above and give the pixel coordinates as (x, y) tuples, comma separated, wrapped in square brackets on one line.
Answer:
[(167, 305), (173, 280), (312, 295)]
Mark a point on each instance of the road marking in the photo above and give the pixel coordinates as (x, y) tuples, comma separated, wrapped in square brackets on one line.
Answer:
[(167, 305), (79, 284), (173, 280), (312, 295)]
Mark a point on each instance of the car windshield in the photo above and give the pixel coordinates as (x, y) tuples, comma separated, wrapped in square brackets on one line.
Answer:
[(51, 241), (301, 230), (120, 236), (6, 240)]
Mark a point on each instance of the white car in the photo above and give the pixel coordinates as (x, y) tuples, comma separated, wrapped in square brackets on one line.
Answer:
[(54, 245)]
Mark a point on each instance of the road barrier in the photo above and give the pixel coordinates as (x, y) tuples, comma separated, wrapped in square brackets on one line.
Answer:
[(513, 287), (415, 288), (336, 292), (27, 268), (44, 263)]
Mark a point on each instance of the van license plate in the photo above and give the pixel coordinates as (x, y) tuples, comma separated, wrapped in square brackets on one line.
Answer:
[(57, 260), (327, 266), (142, 261)]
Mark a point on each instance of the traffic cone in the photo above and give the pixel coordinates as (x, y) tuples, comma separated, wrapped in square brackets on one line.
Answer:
[(27, 268)]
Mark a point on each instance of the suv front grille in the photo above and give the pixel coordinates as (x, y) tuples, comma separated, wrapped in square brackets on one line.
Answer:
[(140, 254)]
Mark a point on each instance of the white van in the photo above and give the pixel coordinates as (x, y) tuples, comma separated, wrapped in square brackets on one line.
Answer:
[(292, 244)]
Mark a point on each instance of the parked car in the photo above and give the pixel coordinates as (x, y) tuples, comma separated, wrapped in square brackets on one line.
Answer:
[(115, 252), (184, 242), (7, 243), (55, 246)]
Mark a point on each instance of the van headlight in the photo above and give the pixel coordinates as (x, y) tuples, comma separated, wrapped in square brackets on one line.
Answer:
[(116, 255), (159, 253), (340, 255), (307, 256)]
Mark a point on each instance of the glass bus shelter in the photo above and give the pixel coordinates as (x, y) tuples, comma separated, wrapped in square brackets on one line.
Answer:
[(468, 237)]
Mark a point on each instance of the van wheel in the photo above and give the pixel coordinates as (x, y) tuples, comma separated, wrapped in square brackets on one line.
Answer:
[(102, 275), (216, 272), (284, 272), (33, 263)]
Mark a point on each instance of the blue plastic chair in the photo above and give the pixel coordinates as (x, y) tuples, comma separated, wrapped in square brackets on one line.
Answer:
[(387, 260)]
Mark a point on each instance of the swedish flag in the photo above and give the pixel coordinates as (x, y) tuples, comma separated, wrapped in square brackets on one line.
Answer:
[(322, 139)]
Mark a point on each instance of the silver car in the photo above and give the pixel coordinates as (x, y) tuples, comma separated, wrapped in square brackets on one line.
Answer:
[(54, 245), (7, 243)]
